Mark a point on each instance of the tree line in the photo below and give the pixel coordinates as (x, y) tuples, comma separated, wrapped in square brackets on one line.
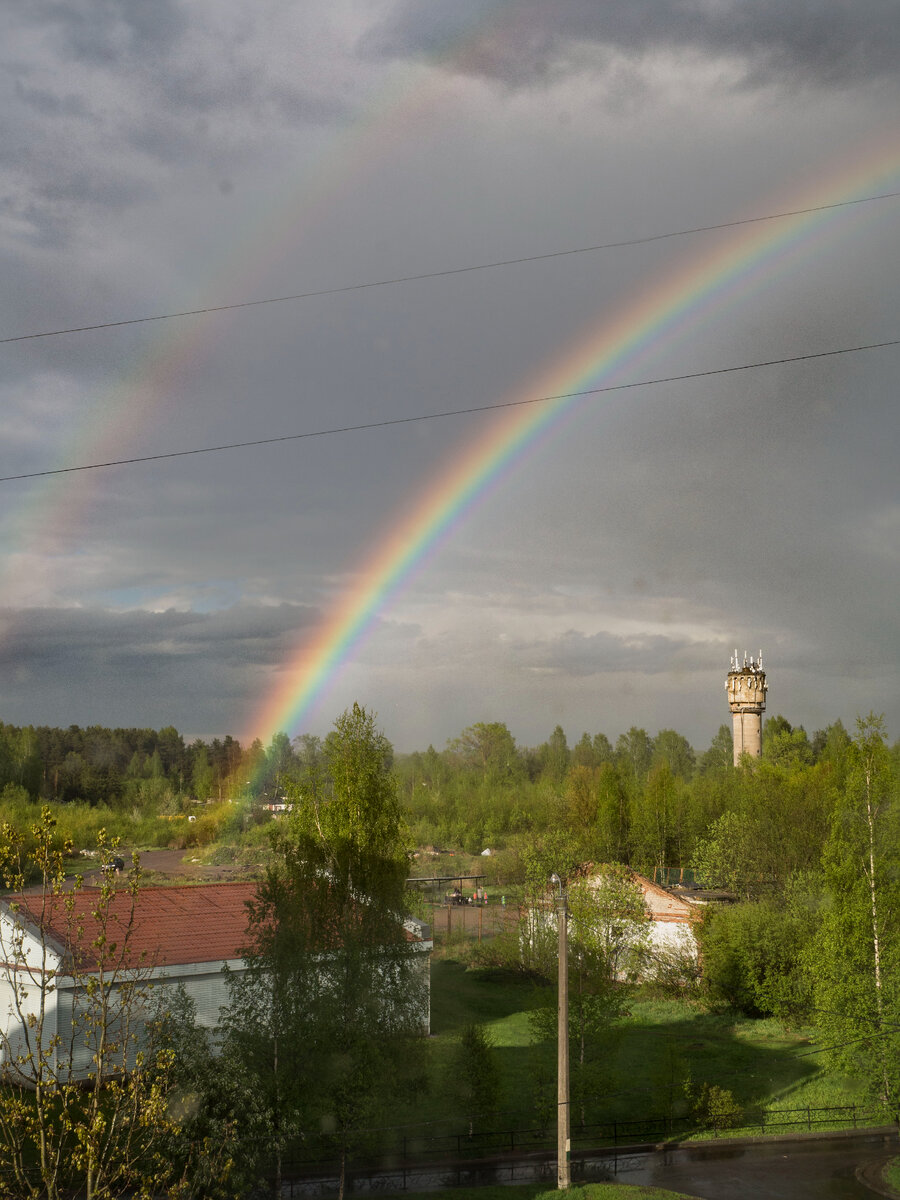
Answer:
[(651, 802), (147, 768)]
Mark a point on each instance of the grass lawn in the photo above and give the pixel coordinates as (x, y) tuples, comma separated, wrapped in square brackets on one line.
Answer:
[(538, 1191), (891, 1174), (646, 1061)]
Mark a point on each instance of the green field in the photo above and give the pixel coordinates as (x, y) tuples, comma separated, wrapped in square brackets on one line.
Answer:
[(538, 1191), (650, 1055)]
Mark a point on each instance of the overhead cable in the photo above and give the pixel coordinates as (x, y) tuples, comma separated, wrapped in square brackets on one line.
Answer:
[(454, 412), (486, 266)]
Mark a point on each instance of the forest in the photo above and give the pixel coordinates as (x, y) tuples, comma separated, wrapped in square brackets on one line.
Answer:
[(815, 814), (653, 802)]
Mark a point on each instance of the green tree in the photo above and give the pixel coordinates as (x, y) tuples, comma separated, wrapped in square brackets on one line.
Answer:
[(603, 751), (675, 751), (489, 748), (784, 745), (329, 1014), (612, 834), (554, 756), (473, 1076), (720, 755), (728, 856), (202, 775), (634, 753), (218, 1116), (583, 752), (86, 1109), (654, 826), (857, 955), (609, 937), (754, 954), (273, 1027)]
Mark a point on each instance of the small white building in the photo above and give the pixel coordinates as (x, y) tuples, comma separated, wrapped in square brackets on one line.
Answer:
[(181, 935), (671, 918)]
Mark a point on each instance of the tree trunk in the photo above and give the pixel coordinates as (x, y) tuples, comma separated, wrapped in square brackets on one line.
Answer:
[(876, 943)]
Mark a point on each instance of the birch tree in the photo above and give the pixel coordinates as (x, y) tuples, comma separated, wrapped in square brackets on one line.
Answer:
[(857, 955), (328, 1015), (83, 1103)]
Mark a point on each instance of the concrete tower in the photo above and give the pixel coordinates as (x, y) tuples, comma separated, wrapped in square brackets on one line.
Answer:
[(746, 688)]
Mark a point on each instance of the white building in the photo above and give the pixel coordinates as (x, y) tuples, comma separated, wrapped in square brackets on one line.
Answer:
[(671, 918), (49, 954)]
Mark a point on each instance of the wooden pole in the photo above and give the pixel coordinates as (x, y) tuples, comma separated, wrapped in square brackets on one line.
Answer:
[(563, 1141)]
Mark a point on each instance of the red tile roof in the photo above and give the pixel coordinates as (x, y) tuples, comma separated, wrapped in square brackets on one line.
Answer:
[(172, 925)]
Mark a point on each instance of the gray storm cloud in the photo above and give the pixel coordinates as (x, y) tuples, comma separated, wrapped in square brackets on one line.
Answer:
[(521, 43)]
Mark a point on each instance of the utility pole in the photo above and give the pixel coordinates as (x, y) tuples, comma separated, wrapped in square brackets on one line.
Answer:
[(563, 1144)]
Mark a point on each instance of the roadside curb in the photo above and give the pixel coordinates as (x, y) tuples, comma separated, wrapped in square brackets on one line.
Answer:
[(887, 1132), (871, 1176)]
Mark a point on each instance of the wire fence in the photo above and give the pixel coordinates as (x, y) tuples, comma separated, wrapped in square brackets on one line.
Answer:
[(470, 920), (407, 1149), (405, 1158)]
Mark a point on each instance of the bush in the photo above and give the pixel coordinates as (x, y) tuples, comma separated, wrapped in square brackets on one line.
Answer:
[(752, 956)]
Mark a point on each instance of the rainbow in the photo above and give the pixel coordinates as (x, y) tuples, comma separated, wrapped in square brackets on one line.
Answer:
[(658, 316), (56, 508)]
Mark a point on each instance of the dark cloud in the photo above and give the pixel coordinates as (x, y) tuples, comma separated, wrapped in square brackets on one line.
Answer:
[(110, 33), (84, 666), (604, 578), (528, 40), (579, 654), (255, 635)]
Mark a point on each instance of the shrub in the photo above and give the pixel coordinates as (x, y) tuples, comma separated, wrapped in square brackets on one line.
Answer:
[(752, 956)]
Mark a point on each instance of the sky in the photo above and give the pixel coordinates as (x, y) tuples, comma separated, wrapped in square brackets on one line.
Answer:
[(159, 158)]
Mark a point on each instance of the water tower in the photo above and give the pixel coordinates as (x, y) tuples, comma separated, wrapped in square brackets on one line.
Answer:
[(746, 688)]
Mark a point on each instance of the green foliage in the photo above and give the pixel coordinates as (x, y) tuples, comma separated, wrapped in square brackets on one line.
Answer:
[(773, 826), (217, 1120), (719, 758), (676, 752), (784, 745), (856, 957), (473, 1078), (714, 1107), (753, 956), (86, 1109), (608, 937), (634, 753), (327, 1018)]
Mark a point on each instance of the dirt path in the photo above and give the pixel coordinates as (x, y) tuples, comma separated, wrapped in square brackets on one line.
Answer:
[(177, 866)]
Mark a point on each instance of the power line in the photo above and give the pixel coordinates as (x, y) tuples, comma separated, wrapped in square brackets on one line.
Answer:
[(454, 412), (488, 266)]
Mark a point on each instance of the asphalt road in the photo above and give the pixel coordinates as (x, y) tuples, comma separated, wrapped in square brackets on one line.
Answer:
[(812, 1170), (815, 1168)]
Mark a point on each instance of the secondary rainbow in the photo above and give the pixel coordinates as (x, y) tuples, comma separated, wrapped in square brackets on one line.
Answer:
[(666, 311)]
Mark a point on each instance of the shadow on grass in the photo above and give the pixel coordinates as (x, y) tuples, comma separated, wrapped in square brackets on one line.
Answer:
[(661, 1063), (460, 997)]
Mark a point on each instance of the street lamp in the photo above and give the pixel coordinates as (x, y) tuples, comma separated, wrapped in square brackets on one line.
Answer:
[(563, 1144)]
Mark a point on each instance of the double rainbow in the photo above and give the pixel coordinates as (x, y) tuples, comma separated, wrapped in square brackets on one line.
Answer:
[(672, 306)]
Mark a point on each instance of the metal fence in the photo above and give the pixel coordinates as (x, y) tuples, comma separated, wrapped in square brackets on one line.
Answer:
[(471, 922), (408, 1148)]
